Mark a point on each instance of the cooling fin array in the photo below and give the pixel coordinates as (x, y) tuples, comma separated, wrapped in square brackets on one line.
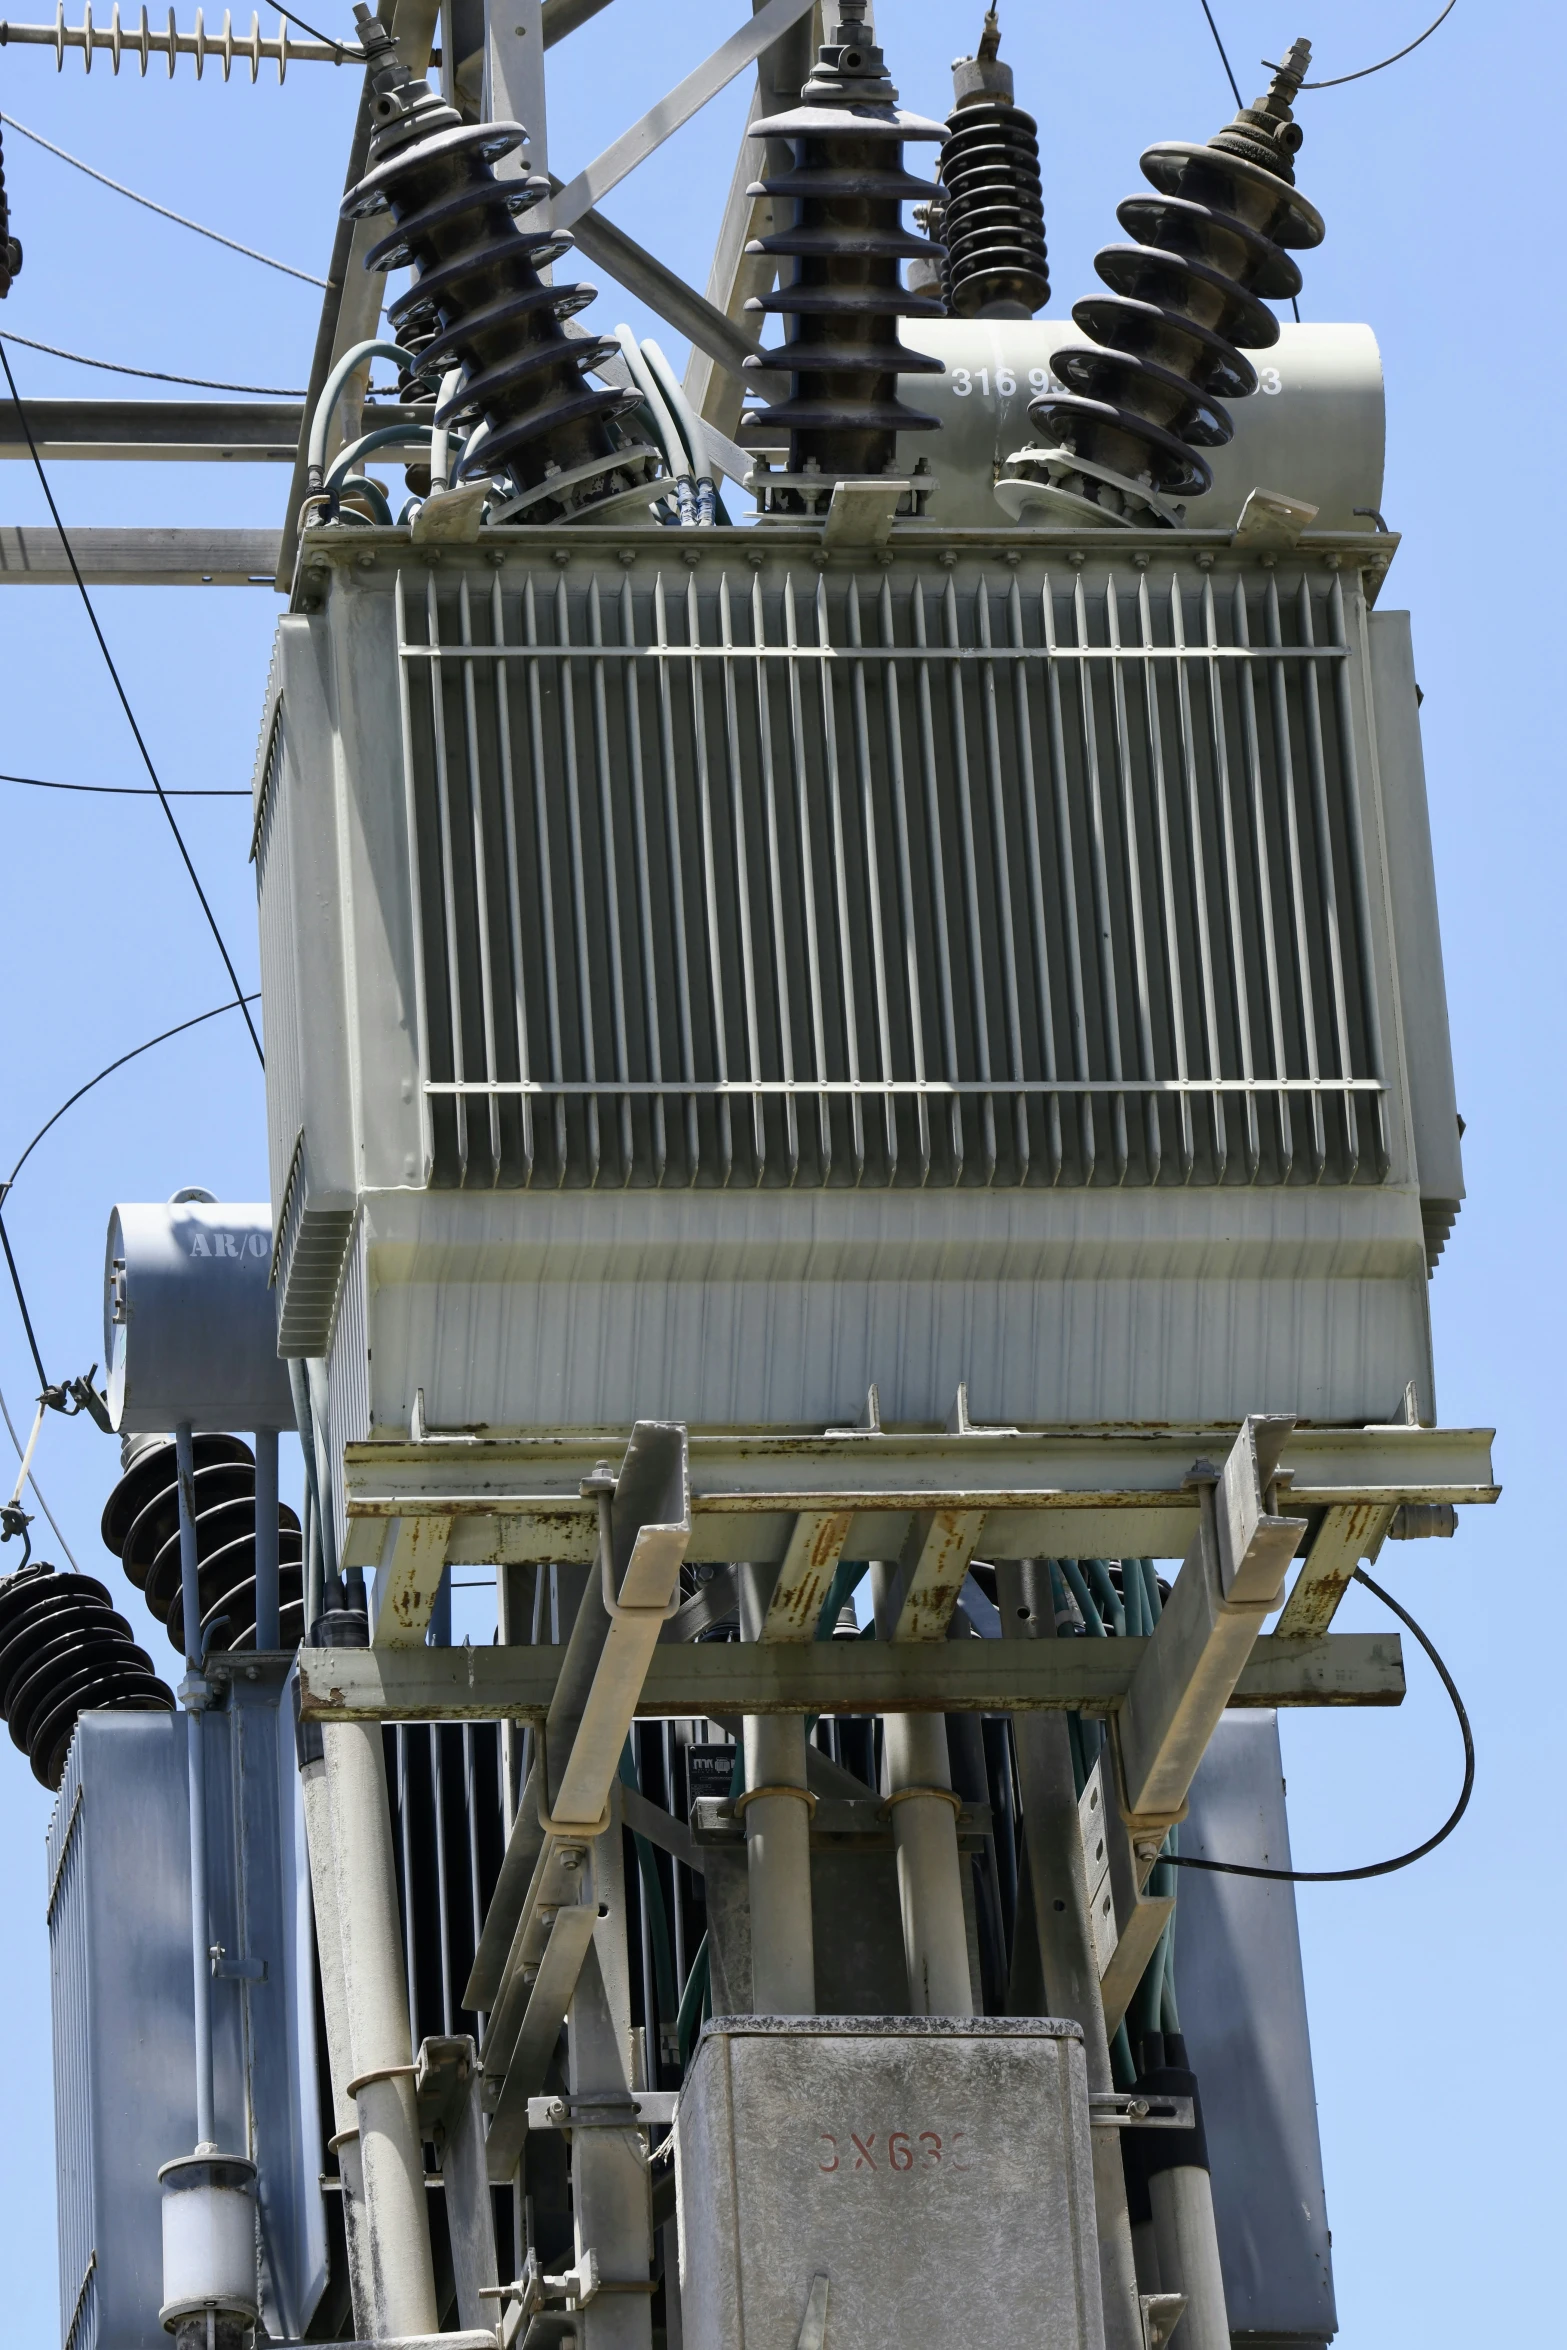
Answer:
[(479, 303), (64, 1651), (846, 241), (1125, 436), (141, 1526)]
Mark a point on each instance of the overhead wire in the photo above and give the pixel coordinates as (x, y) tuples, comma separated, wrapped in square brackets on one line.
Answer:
[(136, 791), (134, 1054), (342, 47), (1338, 81), (1403, 1860), (249, 251), (130, 715), (156, 375)]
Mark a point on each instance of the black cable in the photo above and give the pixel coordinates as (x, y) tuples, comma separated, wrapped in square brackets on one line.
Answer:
[(136, 791), (178, 218), (331, 41), (1229, 69), (153, 375), (1339, 80), (1240, 101), (21, 1299), (1376, 1868), (130, 715), (70, 1103)]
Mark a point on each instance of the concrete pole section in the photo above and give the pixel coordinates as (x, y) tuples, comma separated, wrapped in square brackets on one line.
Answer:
[(1059, 1876), (375, 1992), (1188, 2245), (918, 1773), (339, 2043), (777, 1839)]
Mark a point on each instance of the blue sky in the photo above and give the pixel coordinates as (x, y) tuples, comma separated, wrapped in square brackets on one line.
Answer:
[(1441, 2149)]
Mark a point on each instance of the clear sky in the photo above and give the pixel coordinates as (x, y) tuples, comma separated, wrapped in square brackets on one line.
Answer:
[(1442, 2146)]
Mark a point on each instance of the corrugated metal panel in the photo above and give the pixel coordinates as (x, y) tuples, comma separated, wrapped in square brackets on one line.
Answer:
[(119, 1926), (780, 876)]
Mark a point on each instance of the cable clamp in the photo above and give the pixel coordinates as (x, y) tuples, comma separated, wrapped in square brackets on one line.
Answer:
[(908, 1794), (754, 1795), (385, 2072)]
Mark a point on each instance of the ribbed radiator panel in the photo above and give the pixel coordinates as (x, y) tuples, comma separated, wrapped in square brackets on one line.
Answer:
[(773, 876)]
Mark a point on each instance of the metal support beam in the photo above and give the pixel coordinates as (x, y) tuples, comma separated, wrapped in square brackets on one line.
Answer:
[(1343, 1538), (778, 1801), (678, 304), (446, 2085), (33, 556), (720, 1679), (675, 108), (572, 1788), (1046, 1493), (514, 84), (1231, 1579), (809, 1565), (713, 385), (407, 1579)]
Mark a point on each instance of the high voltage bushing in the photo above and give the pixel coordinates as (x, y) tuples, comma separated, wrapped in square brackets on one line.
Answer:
[(1127, 433), (992, 216), (141, 1526), (477, 284), (847, 242), (63, 1652)]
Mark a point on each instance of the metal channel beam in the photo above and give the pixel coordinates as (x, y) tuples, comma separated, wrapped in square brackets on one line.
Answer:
[(1231, 1579), (570, 1797), (830, 1677), (33, 556), (1343, 1538), (1047, 1493)]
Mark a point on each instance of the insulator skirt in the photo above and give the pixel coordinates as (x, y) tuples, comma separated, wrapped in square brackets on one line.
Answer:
[(65, 1651)]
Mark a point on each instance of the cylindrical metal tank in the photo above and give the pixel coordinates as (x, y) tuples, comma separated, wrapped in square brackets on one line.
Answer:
[(190, 1318), (1314, 429)]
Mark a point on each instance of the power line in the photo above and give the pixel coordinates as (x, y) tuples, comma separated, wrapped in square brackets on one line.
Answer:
[(178, 218), (1339, 80), (21, 1300), (130, 715), (1229, 69), (135, 791), (156, 375), (1375, 1868), (134, 1053), (5, 1413)]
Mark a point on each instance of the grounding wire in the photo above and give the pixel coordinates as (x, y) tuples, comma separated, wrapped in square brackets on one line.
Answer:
[(1338, 81), (134, 1053), (156, 375), (5, 1414), (130, 715), (136, 791), (1375, 1868), (178, 218), (1224, 59)]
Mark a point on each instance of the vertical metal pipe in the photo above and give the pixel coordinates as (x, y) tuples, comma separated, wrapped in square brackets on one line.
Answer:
[(375, 1994), (717, 994), (578, 874), (781, 925), (1062, 796), (1154, 737), (963, 793), (1099, 870), (930, 779), (837, 852), (647, 928), (339, 2038), (741, 882), (1058, 1877), (405, 1835), (1028, 792), (677, 886), (267, 1632), (998, 772), (912, 946), (546, 883), (516, 934), (918, 1773), (448, 875), (777, 1838), (442, 1878), (1188, 2249), (196, 1767), (608, 852), (802, 786)]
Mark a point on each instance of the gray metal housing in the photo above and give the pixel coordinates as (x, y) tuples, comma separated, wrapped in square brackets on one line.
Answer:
[(704, 979), (189, 1318), (120, 1952), (1242, 1997), (936, 2173)]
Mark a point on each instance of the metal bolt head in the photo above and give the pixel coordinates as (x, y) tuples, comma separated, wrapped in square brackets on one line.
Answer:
[(572, 1858)]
